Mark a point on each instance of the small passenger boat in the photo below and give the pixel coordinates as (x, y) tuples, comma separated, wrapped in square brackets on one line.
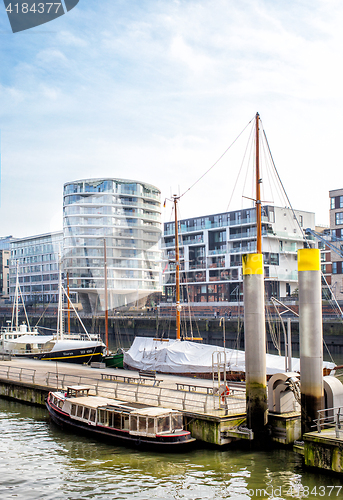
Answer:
[(121, 422)]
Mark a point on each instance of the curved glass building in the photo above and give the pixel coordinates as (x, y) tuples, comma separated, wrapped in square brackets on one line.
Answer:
[(127, 215)]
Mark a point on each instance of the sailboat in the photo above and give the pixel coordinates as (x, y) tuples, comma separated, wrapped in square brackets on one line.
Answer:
[(182, 355), (61, 346), (14, 333)]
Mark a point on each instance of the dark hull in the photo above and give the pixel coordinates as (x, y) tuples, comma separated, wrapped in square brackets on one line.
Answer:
[(174, 443), (79, 356)]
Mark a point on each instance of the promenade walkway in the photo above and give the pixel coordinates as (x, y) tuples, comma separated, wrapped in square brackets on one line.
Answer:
[(192, 395)]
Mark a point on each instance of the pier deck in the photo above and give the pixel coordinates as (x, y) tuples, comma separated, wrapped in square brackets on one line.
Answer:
[(324, 450), (209, 417)]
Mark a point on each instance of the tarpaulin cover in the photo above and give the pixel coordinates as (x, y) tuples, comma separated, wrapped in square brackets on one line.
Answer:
[(173, 356)]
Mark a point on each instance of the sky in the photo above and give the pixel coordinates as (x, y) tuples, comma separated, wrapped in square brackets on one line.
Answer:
[(157, 91)]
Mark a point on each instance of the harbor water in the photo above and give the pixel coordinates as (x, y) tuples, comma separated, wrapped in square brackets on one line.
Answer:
[(40, 461)]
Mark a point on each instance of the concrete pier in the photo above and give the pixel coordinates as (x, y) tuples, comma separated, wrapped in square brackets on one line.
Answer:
[(324, 450), (29, 381)]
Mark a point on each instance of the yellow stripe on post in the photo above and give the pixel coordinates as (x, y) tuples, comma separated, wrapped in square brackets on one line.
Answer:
[(309, 259), (252, 263)]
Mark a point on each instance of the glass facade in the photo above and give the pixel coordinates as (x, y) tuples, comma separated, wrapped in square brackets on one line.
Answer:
[(127, 216), (38, 267), (211, 249)]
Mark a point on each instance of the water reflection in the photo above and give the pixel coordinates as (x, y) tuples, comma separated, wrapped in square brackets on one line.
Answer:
[(38, 460)]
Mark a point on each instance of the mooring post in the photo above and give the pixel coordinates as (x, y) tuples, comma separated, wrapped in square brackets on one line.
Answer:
[(310, 336), (255, 345)]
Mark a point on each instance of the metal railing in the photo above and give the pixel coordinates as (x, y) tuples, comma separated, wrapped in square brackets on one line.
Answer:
[(15, 373), (188, 401), (329, 417)]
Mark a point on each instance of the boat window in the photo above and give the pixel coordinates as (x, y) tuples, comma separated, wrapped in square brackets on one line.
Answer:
[(60, 403), (133, 423), (116, 420), (163, 424), (73, 410), (52, 399), (103, 417), (176, 421), (79, 411), (125, 423), (142, 424), (92, 416), (86, 413), (151, 425)]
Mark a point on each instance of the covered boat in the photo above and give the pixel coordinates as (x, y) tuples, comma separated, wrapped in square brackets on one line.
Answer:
[(193, 358)]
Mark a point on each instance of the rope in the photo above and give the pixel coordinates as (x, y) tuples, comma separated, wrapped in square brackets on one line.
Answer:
[(279, 178), (214, 164), (294, 385), (328, 351)]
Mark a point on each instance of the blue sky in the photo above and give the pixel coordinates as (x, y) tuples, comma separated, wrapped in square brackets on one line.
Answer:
[(157, 90)]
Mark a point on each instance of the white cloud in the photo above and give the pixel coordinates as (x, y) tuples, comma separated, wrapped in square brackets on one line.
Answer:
[(157, 91)]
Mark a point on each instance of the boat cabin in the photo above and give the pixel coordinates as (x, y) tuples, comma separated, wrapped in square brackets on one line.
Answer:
[(155, 421), (148, 421), (135, 419)]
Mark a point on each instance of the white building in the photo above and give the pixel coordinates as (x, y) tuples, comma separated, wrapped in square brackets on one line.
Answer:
[(211, 249), (37, 257), (125, 213)]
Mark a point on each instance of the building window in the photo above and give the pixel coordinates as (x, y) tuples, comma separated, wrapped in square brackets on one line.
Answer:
[(274, 259), (334, 268), (339, 218), (341, 202), (332, 203)]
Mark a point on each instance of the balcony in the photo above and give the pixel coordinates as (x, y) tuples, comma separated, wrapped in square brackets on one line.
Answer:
[(218, 251)]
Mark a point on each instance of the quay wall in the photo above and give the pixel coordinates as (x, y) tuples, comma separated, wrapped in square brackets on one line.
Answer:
[(24, 392), (323, 452), (123, 330)]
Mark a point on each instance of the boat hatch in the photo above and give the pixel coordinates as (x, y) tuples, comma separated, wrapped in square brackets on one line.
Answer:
[(152, 425), (76, 391)]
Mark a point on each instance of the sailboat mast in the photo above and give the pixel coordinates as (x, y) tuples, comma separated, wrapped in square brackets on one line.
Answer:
[(177, 273), (258, 187), (106, 304), (68, 302), (60, 302), (254, 324), (16, 298)]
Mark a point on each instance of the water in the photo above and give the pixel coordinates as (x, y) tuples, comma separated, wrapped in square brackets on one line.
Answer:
[(39, 461)]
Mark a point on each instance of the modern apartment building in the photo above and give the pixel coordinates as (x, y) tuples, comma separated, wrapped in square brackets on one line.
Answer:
[(37, 258), (336, 233), (126, 215), (5, 255), (211, 249)]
